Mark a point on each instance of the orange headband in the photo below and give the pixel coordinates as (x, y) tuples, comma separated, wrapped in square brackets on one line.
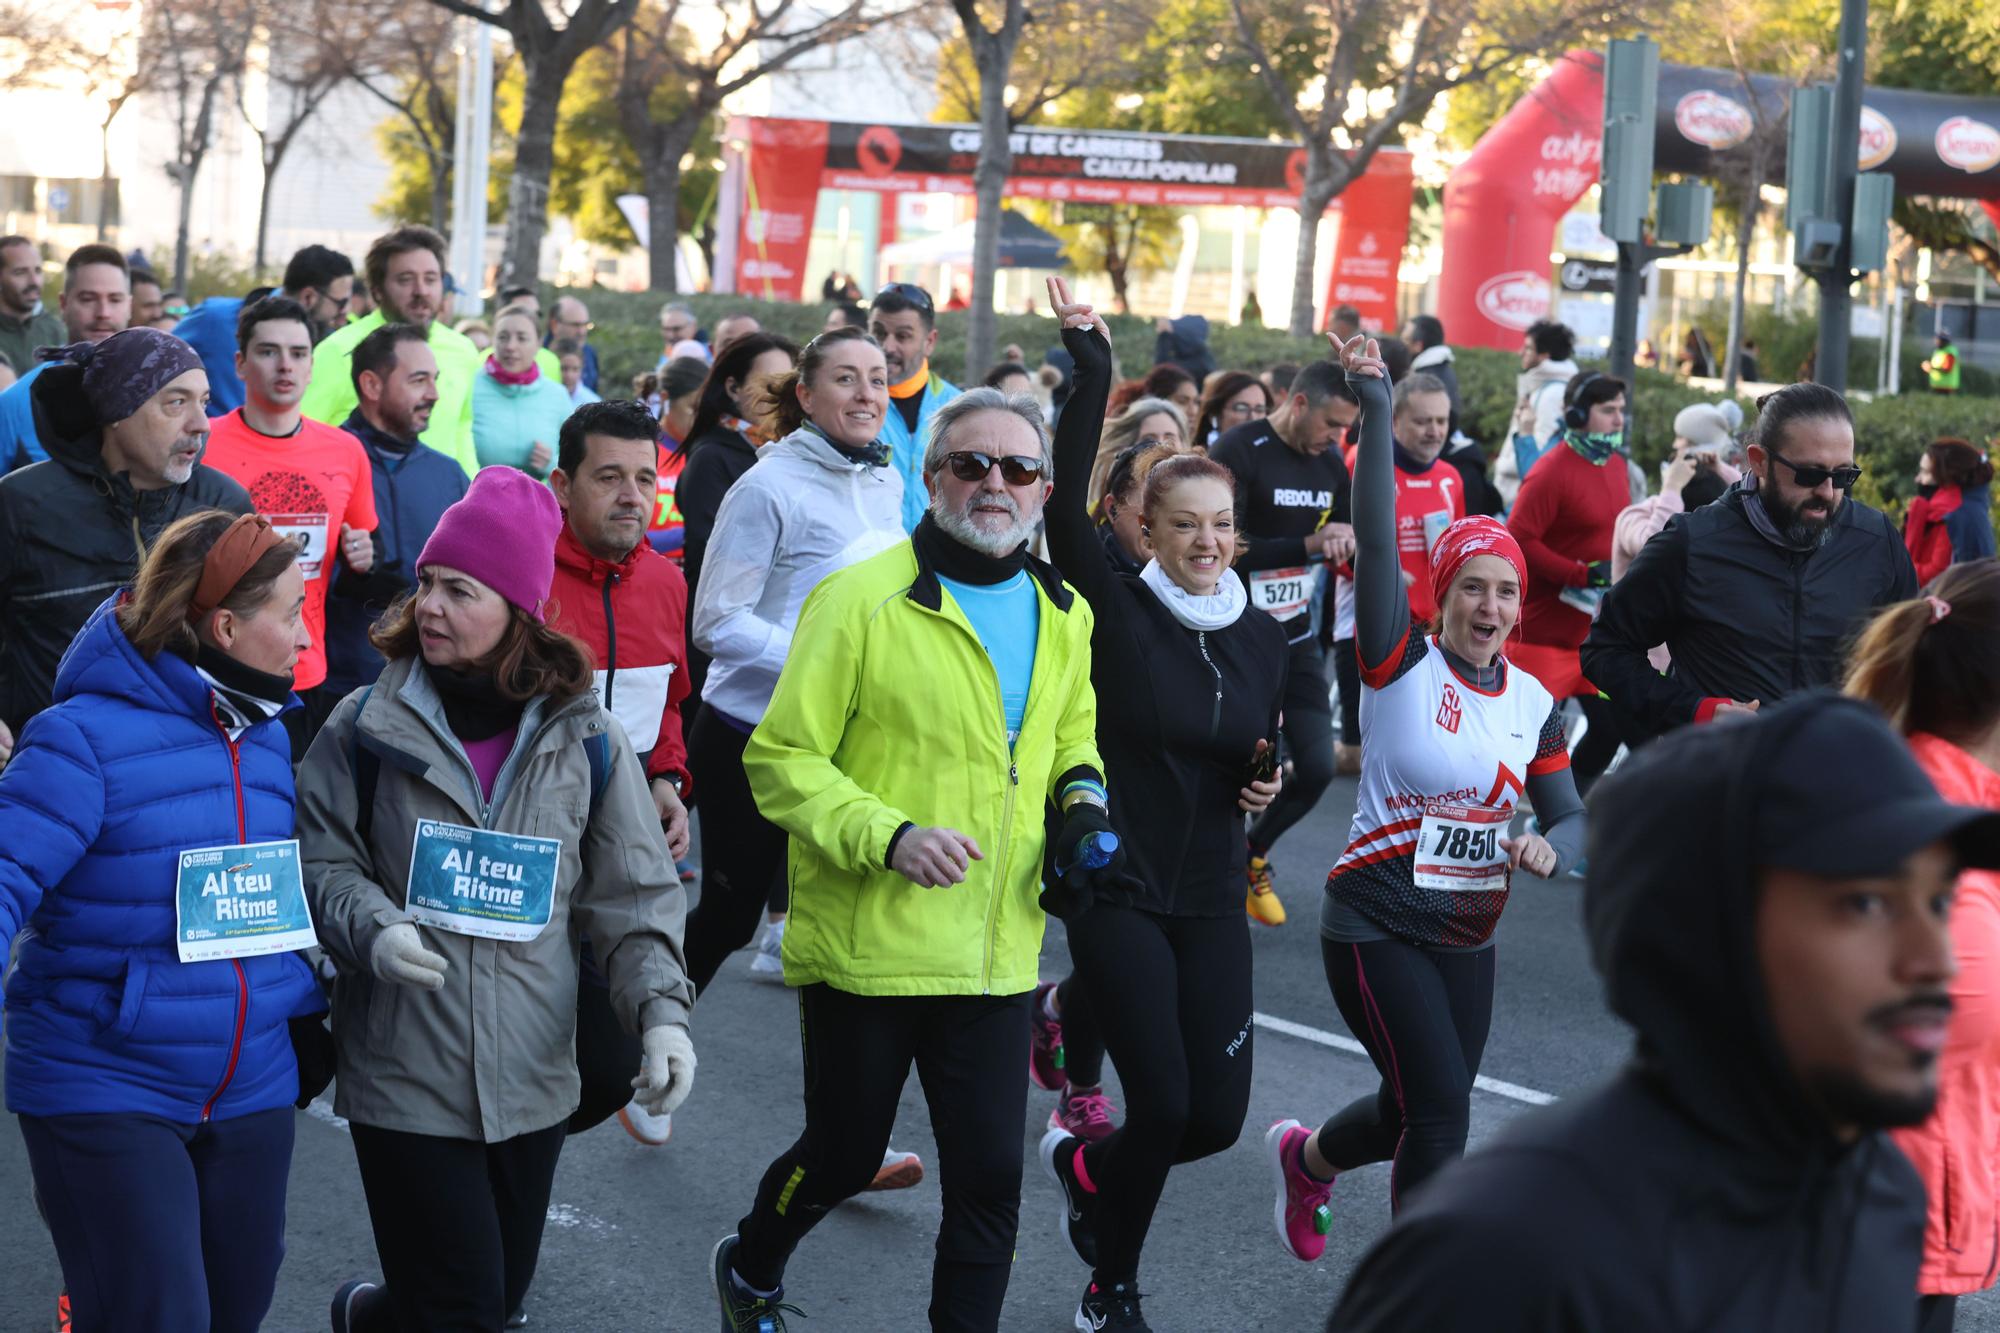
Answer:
[(242, 544)]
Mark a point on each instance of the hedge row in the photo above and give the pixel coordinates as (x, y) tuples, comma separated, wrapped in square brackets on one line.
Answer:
[(1891, 432)]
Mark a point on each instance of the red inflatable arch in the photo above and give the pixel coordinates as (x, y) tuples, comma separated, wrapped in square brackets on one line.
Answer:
[(1502, 204)]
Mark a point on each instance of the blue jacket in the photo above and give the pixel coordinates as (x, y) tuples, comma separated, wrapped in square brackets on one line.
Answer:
[(20, 444), (507, 419), (210, 328), (1970, 526), (125, 771), (414, 485), (906, 448)]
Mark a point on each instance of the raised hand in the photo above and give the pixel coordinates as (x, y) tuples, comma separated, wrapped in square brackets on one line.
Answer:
[(1073, 314), (1359, 355)]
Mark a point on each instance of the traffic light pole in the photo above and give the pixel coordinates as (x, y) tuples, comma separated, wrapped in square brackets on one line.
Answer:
[(1837, 279), (1633, 259)]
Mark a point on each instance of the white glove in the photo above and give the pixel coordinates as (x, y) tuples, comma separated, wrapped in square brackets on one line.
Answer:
[(668, 1071), (399, 955)]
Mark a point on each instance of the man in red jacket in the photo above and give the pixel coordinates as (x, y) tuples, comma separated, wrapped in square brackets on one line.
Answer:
[(1564, 518), (628, 604)]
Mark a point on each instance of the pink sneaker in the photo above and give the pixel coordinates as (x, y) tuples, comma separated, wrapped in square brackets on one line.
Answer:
[(1084, 1114), (1045, 1053), (1301, 1212)]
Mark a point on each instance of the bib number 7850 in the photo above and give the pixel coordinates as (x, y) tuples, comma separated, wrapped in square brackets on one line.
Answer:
[(1458, 848), (1460, 843)]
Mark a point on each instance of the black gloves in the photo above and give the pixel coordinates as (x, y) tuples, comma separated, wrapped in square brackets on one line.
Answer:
[(1075, 885), (1599, 575), (312, 1046)]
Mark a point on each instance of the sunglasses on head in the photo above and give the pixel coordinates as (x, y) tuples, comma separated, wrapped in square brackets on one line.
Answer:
[(909, 292), (1015, 469), (1843, 478)]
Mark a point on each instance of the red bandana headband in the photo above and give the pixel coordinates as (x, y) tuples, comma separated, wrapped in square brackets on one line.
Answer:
[(1466, 539)]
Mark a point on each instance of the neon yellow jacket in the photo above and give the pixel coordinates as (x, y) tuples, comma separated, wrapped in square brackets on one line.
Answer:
[(330, 397), (888, 712)]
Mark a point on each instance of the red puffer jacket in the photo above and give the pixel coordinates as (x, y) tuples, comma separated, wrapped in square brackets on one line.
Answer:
[(1954, 1150), (633, 617)]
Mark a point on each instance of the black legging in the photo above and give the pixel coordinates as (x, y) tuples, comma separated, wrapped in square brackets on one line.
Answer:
[(607, 1056), (1173, 997), (1308, 733), (1599, 746), (1347, 675), (1423, 1015), (1083, 1044), (742, 852)]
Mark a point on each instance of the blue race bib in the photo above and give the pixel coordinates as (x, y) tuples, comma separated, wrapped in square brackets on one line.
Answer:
[(494, 886), (240, 902)]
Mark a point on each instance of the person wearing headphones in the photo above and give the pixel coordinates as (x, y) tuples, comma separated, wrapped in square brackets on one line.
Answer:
[(1564, 519)]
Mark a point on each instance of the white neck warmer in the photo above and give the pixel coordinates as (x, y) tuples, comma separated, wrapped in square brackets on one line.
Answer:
[(1215, 611)]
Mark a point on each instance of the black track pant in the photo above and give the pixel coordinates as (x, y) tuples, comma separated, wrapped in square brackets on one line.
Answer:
[(1172, 996), (1347, 675), (742, 853), (1083, 1044), (1423, 1017), (1308, 733), (607, 1056), (458, 1227), (971, 1053), (1600, 742)]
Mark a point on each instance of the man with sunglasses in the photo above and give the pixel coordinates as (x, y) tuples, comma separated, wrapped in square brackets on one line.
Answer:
[(1756, 594), (320, 279), (904, 321), (935, 696)]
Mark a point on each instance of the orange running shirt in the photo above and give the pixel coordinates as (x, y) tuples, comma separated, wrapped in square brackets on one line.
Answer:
[(308, 484)]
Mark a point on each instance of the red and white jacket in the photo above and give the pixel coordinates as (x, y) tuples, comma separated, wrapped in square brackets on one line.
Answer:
[(633, 618)]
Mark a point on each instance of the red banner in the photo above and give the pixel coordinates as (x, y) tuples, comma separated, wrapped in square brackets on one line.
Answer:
[(790, 161)]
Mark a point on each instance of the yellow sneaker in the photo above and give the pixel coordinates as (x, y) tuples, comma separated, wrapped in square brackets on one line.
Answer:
[(1262, 902)]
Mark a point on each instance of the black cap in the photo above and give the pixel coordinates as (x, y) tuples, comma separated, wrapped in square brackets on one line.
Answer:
[(1842, 796)]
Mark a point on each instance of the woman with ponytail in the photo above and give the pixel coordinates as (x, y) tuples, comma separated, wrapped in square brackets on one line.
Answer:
[(151, 1006), (1933, 665)]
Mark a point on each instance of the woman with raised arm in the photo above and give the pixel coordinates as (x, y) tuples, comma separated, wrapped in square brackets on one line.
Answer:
[(1188, 688), (1451, 737)]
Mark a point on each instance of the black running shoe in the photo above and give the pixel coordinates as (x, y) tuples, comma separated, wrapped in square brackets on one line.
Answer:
[(1079, 1213), (743, 1311), (1115, 1308)]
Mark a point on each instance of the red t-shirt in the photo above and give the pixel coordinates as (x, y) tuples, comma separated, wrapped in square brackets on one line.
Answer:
[(308, 484), (1426, 504), (1564, 518), (666, 533)]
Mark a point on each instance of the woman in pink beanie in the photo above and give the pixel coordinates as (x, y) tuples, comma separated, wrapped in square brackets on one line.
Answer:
[(464, 822)]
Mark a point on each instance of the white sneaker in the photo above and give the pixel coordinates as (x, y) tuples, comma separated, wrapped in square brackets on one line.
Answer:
[(899, 1171), (649, 1129), (770, 960)]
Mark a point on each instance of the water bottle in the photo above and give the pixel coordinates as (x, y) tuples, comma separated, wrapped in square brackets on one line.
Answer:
[(1093, 853)]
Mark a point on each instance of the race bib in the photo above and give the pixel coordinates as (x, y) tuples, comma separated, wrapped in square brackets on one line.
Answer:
[(308, 532), (1435, 523), (1590, 601), (241, 902), (1458, 848), (1283, 593), (495, 886)]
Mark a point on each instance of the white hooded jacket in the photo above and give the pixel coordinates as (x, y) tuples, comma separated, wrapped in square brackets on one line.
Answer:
[(801, 512)]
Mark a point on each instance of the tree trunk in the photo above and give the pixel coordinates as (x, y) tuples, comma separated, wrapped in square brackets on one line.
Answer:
[(184, 176), (663, 215), (1117, 267), (104, 175), (989, 181), (534, 160), (1746, 230), (1320, 188), (263, 219), (440, 192)]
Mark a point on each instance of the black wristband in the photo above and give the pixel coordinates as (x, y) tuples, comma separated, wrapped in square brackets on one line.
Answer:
[(889, 856)]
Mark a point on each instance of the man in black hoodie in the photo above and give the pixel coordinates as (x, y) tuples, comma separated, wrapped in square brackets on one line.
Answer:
[(1785, 971), (124, 423)]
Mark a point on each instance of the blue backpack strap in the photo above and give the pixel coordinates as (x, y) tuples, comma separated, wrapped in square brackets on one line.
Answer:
[(367, 766), (597, 745)]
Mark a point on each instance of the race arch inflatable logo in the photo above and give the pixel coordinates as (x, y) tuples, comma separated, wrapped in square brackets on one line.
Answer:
[(1970, 145), (1514, 300), (1878, 139), (1712, 120), (878, 151)]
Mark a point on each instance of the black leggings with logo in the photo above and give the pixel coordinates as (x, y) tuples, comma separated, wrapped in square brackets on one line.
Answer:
[(742, 853)]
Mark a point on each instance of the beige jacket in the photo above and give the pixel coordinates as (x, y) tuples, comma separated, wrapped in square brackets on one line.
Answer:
[(491, 1055)]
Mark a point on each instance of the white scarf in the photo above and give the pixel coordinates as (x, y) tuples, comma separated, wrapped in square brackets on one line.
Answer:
[(1216, 611)]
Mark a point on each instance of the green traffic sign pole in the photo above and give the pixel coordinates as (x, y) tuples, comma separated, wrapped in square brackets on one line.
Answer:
[(1844, 150)]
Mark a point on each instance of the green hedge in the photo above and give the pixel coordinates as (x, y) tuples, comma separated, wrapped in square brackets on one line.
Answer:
[(1890, 432)]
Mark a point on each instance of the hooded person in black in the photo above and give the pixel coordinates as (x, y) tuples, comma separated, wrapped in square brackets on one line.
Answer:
[(1733, 1176)]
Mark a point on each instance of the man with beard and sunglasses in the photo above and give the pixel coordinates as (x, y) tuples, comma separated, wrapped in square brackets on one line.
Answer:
[(1757, 594), (935, 696), (125, 429), (1786, 974)]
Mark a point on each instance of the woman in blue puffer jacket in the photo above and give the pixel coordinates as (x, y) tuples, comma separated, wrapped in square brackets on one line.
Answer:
[(147, 814)]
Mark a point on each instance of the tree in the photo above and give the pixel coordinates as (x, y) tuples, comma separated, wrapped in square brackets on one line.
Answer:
[(671, 84), (305, 46), (203, 45), (1951, 226), (407, 65), (548, 54), (1376, 68)]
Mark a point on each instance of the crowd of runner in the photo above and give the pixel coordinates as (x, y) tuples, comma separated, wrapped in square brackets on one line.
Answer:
[(361, 677)]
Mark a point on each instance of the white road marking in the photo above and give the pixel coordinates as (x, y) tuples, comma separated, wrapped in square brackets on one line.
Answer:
[(1499, 1087), (560, 1214)]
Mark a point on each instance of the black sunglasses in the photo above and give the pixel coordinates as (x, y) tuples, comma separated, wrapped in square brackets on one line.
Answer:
[(1015, 469), (1811, 477), (910, 293)]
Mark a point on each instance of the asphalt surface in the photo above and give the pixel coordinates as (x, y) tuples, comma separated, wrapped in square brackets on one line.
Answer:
[(631, 1228)]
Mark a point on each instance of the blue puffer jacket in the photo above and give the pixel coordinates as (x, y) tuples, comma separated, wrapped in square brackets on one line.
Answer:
[(126, 770)]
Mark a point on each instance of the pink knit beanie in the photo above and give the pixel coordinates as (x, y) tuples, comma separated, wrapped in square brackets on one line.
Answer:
[(503, 533)]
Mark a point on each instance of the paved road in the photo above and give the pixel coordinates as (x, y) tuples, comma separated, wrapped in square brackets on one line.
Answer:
[(630, 1230)]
